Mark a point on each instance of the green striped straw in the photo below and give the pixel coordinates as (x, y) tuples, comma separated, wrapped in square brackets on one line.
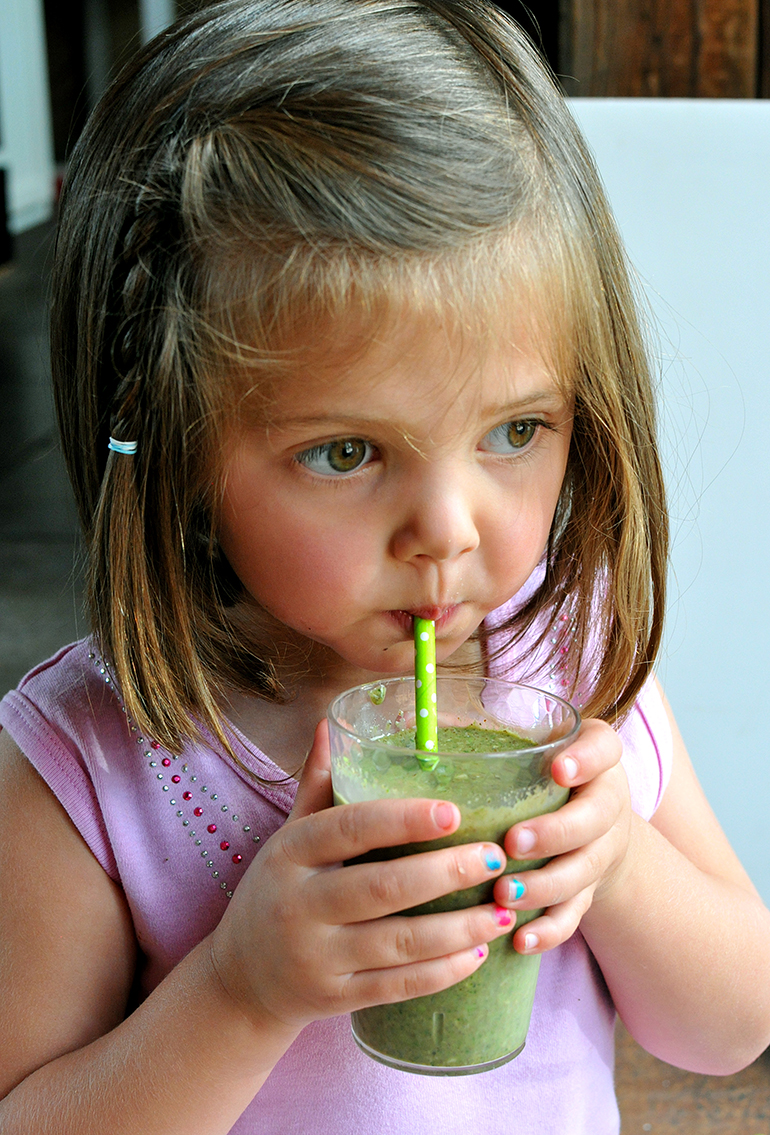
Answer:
[(426, 718)]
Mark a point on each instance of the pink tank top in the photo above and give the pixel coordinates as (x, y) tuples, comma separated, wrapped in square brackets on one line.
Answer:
[(177, 834)]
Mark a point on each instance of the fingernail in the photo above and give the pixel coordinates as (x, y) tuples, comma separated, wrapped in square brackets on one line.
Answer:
[(517, 889), (492, 860), (503, 917), (481, 951), (525, 840), (445, 815), (531, 941), (570, 767)]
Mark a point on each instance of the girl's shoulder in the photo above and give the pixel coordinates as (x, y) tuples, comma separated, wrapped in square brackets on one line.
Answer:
[(68, 709), (71, 684), (648, 749), (66, 720), (176, 831)]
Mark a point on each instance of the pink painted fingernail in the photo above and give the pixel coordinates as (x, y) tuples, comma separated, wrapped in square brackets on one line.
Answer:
[(481, 951), (525, 840), (502, 916), (445, 815), (570, 767)]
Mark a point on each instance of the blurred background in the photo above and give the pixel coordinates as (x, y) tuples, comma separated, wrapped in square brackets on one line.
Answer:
[(674, 98)]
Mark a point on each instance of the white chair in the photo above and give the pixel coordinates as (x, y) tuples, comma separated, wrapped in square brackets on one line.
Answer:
[(690, 184)]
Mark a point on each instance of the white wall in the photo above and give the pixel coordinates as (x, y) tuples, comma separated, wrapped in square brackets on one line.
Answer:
[(154, 16), (690, 184), (26, 145)]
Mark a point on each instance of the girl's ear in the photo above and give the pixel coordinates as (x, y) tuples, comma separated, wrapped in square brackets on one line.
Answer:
[(315, 786)]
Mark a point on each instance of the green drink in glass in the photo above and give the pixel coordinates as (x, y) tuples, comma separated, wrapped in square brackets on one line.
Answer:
[(496, 744)]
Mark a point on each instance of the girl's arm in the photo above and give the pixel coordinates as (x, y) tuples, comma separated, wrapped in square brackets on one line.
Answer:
[(187, 1060), (680, 933), (683, 938), (302, 938)]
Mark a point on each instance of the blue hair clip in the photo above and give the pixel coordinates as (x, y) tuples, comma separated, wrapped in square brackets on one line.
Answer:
[(127, 447)]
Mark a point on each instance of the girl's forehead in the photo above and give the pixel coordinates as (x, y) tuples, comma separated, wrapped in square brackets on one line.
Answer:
[(429, 354)]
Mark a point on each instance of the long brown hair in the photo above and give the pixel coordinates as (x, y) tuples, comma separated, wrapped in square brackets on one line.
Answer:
[(269, 158)]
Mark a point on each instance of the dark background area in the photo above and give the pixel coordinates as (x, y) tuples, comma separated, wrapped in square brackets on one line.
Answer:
[(597, 48)]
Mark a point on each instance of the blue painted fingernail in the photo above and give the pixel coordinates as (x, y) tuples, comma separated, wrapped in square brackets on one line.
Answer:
[(517, 889), (493, 861)]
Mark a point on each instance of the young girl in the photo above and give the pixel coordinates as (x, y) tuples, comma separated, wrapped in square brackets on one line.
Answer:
[(342, 335)]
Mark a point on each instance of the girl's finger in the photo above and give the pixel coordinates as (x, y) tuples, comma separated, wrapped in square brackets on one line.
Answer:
[(592, 811), (557, 882), (596, 749), (350, 830), (401, 983), (403, 940), (554, 927), (363, 891), (315, 786)]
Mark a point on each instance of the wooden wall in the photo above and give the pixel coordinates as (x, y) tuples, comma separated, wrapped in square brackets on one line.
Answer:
[(654, 48)]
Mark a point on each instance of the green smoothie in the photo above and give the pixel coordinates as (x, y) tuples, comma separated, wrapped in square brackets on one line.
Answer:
[(481, 1022)]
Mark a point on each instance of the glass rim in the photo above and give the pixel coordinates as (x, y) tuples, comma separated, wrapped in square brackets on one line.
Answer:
[(332, 715)]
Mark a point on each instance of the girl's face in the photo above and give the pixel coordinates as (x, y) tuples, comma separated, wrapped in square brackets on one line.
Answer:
[(414, 474)]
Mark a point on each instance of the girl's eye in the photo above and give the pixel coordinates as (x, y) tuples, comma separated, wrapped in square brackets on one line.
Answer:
[(510, 437), (334, 458)]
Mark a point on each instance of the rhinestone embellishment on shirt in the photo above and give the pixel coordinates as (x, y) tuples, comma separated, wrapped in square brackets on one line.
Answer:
[(208, 808)]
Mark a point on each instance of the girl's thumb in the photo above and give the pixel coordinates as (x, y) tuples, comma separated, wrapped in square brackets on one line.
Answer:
[(315, 786)]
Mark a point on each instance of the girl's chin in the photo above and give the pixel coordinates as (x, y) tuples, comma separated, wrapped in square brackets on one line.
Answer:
[(397, 660)]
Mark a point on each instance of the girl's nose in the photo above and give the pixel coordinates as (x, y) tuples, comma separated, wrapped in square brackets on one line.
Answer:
[(438, 522)]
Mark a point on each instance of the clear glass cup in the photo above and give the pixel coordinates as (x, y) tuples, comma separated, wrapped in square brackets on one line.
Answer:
[(481, 1022)]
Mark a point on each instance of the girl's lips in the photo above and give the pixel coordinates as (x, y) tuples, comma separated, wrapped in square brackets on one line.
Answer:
[(434, 613), (440, 616)]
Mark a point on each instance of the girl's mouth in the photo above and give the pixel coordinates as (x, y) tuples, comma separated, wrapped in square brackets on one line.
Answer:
[(441, 616)]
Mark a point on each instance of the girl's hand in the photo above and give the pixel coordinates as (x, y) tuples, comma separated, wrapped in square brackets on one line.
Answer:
[(588, 837), (305, 937)]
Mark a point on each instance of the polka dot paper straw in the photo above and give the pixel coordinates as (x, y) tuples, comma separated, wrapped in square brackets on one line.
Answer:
[(426, 729)]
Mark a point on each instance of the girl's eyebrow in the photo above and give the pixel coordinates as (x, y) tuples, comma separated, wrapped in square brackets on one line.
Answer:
[(549, 399)]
